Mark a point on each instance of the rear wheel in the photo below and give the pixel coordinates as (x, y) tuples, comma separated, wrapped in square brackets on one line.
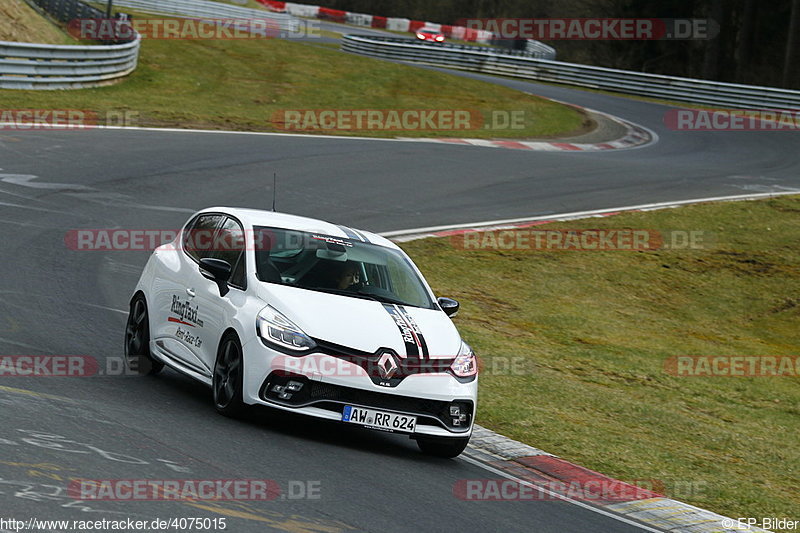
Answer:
[(229, 377), (137, 340), (442, 447)]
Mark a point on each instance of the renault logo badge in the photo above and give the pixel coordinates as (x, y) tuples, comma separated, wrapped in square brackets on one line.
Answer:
[(387, 365)]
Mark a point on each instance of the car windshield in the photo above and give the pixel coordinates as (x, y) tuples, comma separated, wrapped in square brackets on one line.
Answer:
[(348, 267)]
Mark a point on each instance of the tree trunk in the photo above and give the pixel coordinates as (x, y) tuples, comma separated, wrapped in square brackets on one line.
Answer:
[(713, 55), (746, 42), (791, 76)]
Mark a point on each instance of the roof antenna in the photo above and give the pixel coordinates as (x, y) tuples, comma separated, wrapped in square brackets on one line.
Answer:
[(274, 189)]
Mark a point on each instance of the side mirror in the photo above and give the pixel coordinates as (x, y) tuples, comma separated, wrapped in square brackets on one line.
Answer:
[(449, 306), (218, 271)]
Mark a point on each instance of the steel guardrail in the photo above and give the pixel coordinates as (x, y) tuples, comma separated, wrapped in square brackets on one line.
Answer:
[(46, 66), (517, 65), (50, 66)]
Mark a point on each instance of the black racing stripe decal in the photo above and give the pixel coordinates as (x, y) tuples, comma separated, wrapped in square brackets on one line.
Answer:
[(412, 348), (409, 330), (351, 234), (423, 346)]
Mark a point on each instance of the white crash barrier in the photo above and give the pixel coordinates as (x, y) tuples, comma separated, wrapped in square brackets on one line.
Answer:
[(301, 10), (395, 24)]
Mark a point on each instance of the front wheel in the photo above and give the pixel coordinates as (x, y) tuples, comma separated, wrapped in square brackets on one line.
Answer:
[(442, 447), (137, 340), (229, 377)]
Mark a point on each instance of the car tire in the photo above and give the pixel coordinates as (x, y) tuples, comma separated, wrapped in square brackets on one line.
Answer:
[(447, 447), (228, 379), (137, 340)]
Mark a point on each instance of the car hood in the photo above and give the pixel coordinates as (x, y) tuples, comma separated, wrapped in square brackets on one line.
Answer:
[(366, 325)]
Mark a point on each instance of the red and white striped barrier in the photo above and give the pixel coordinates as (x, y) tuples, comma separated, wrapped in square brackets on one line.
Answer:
[(359, 19), (374, 21), (397, 24), (272, 5)]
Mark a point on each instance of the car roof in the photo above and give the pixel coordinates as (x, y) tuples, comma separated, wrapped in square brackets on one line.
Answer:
[(259, 217)]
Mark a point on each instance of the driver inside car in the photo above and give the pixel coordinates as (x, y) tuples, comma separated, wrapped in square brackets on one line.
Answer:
[(349, 277)]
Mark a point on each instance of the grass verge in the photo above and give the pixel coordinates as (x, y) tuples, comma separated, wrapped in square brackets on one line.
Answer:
[(246, 84), (21, 23), (594, 330)]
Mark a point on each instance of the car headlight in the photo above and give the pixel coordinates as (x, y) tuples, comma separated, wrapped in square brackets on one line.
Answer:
[(277, 330), (465, 364)]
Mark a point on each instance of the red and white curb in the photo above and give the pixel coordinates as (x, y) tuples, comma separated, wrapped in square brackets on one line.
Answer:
[(635, 137), (531, 466), (514, 223)]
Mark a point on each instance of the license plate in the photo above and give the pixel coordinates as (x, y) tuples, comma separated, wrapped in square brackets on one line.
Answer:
[(379, 419)]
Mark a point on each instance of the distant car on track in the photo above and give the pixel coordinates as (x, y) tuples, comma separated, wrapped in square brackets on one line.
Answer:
[(430, 34), (309, 317)]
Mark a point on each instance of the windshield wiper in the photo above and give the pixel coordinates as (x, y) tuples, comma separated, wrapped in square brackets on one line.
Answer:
[(383, 299), (360, 294), (342, 292)]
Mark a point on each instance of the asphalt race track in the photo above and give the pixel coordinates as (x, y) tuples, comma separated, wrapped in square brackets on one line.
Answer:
[(56, 301)]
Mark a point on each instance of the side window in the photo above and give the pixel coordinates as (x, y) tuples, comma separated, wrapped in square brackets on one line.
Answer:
[(198, 239), (229, 247)]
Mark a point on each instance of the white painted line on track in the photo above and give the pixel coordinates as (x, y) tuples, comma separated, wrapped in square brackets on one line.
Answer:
[(6, 204), (26, 180), (585, 214), (23, 224), (105, 308), (221, 132)]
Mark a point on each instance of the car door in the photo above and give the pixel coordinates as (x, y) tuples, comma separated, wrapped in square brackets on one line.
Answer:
[(216, 311), (179, 322)]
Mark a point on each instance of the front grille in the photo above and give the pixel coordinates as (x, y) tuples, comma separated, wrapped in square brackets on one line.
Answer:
[(333, 397), (405, 365), (336, 393)]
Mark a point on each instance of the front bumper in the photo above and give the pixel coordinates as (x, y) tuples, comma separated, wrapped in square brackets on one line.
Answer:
[(329, 384)]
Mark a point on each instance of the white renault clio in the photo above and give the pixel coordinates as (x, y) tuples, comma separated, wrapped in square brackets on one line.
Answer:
[(306, 316)]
